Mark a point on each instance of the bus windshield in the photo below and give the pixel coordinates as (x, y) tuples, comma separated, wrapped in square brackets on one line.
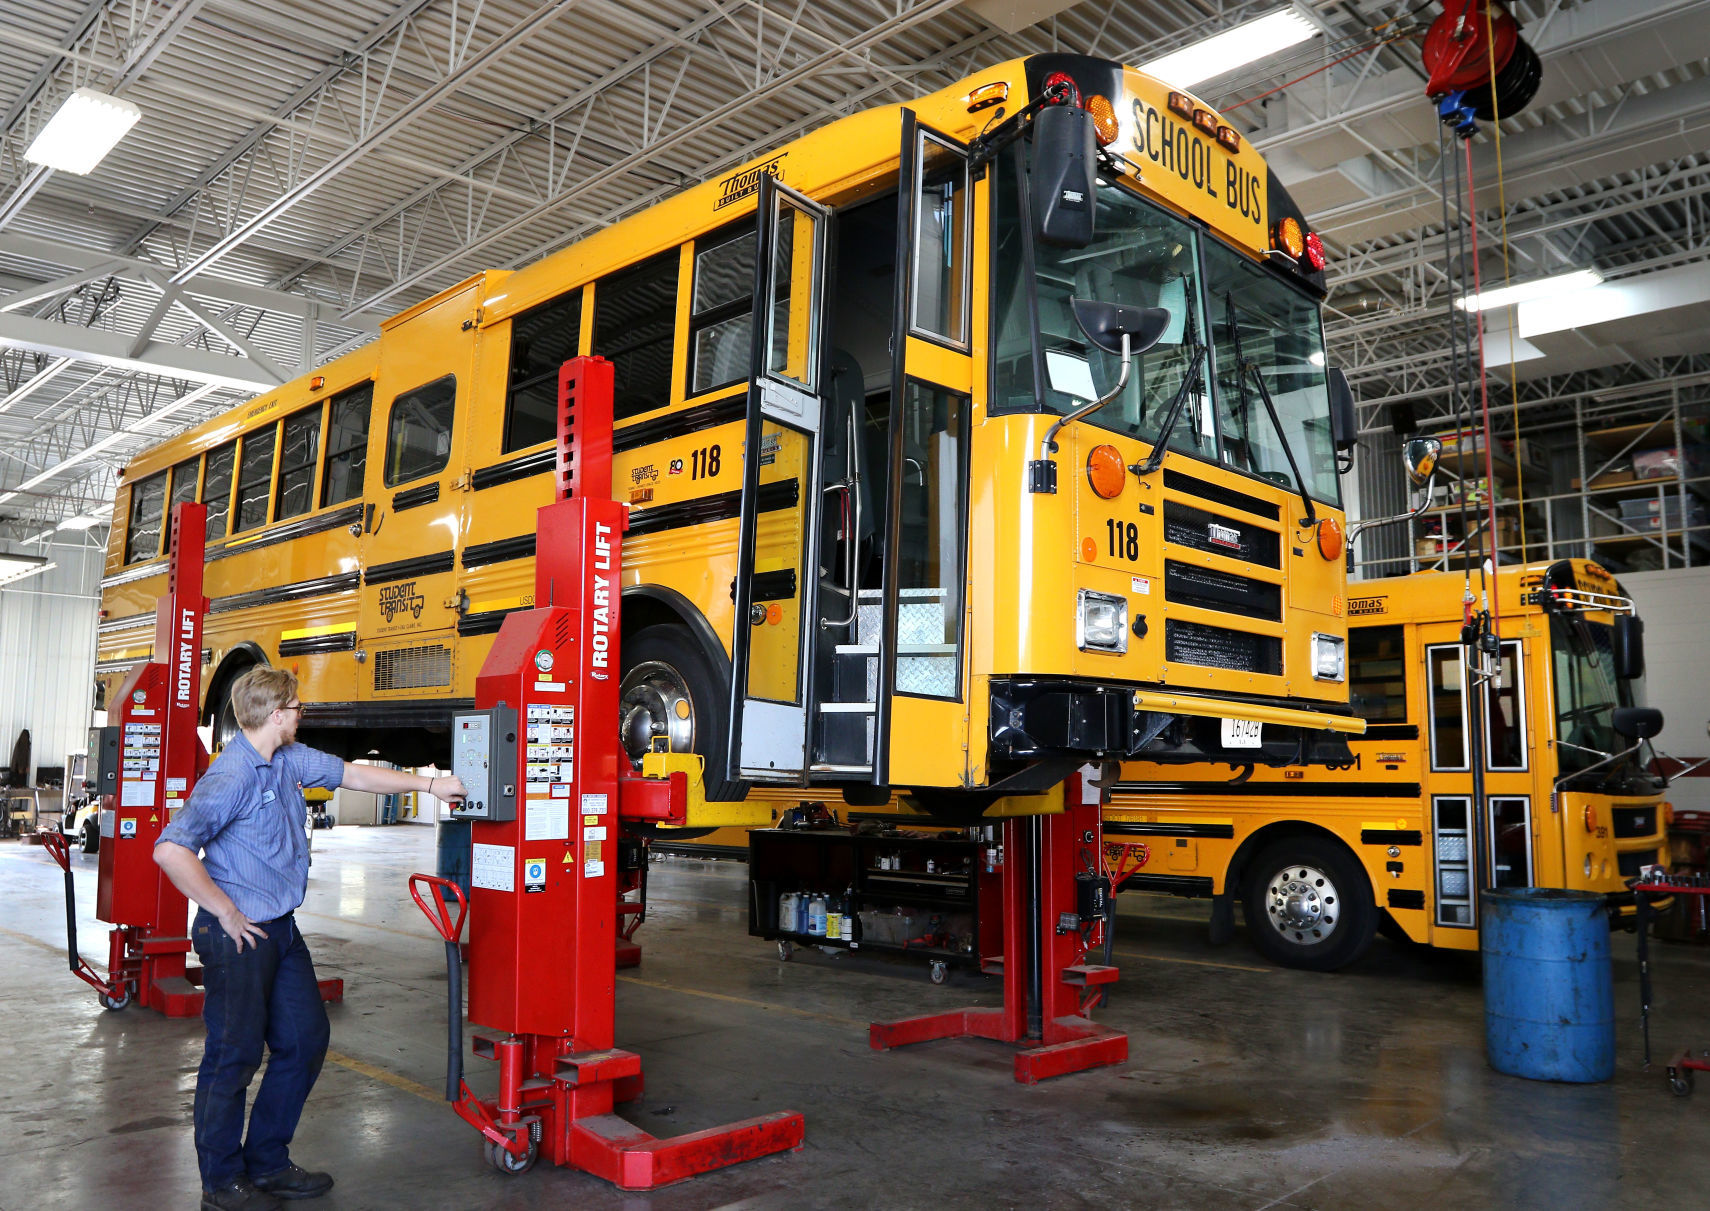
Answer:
[(1587, 693), (1145, 257)]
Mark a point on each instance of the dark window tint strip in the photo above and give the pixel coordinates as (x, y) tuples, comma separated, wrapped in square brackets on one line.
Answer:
[(403, 569), (498, 551), (318, 587), (316, 644), (411, 497), (1390, 836), (537, 463), (689, 420), (1223, 496)]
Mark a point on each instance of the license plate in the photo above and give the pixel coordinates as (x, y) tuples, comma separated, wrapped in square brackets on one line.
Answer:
[(1241, 733)]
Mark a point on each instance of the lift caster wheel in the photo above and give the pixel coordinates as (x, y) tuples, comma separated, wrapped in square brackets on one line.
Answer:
[(1680, 1084), (786, 949), (116, 1003), (939, 971), (508, 1162)]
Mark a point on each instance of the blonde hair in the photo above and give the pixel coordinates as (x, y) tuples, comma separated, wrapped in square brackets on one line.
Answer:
[(260, 692)]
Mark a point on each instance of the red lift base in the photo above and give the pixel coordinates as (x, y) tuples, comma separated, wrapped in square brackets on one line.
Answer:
[(1066, 1040)]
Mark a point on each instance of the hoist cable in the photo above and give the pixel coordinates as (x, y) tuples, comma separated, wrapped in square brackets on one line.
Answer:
[(1513, 311)]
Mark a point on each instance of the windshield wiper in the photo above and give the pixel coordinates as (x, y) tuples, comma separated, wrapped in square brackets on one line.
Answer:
[(1246, 367), (1155, 459)]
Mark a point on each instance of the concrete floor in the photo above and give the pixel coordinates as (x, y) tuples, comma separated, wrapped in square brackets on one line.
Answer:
[(1248, 1087)]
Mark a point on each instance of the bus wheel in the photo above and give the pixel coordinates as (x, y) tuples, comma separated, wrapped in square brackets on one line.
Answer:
[(224, 714), (1308, 904), (670, 694)]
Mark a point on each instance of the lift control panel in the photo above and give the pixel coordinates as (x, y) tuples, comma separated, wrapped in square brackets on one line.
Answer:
[(484, 756), (103, 767)]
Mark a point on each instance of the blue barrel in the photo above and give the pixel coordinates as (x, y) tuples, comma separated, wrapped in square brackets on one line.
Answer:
[(1549, 986), (454, 855)]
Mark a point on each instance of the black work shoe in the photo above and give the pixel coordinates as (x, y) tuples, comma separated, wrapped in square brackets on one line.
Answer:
[(294, 1181), (238, 1195)]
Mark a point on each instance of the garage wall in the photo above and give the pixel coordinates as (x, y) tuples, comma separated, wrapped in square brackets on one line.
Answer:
[(47, 653), (1675, 607)]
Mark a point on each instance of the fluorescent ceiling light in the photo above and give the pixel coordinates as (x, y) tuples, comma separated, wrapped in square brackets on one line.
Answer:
[(16, 567), (1233, 48), (88, 126), (79, 523), (1522, 292)]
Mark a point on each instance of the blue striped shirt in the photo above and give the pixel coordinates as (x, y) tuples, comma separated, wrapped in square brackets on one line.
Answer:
[(249, 819)]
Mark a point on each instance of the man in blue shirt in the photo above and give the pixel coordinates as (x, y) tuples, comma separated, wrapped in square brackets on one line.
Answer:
[(247, 818)]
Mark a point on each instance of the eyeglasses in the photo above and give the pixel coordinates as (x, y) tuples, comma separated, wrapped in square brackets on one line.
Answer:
[(298, 707)]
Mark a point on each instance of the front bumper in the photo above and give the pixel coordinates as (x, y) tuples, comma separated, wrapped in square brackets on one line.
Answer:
[(1035, 719)]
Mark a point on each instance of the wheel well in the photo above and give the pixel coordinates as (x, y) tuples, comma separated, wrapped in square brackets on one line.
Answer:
[(238, 661), (1282, 830)]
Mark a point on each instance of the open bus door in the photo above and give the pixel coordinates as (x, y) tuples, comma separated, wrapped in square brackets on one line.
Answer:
[(1511, 853), (921, 605), (777, 576)]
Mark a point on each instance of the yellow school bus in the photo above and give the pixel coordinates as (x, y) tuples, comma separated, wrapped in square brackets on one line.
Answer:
[(1321, 857), (965, 441)]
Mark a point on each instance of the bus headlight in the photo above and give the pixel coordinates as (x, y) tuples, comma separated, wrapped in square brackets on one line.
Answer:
[(1329, 657), (1101, 622)]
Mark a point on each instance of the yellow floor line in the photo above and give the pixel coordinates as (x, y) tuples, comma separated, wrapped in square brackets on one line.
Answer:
[(58, 951), (377, 1073), (1135, 954), (720, 996)]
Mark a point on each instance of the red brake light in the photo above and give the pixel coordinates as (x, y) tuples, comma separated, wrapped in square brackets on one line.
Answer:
[(1062, 79), (1315, 251)]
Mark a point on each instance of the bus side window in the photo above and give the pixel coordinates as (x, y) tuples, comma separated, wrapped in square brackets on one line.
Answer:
[(542, 340), (1448, 708), (635, 320), (1377, 676), (217, 489), (721, 321), (347, 445), (418, 432), (297, 457), (148, 507), (255, 478), (1506, 711), (184, 477)]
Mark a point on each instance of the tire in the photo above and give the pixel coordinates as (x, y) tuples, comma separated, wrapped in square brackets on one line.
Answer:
[(91, 836), (665, 674), (115, 1004), (221, 716), (1308, 904), (508, 1162)]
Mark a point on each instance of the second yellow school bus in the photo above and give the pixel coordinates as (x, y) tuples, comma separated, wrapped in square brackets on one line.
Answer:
[(841, 372), (1321, 858)]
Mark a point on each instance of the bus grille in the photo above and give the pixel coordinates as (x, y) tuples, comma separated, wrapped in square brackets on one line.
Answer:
[(412, 668), (1635, 821), (1235, 537), (1629, 864), (1209, 589), (1194, 643)]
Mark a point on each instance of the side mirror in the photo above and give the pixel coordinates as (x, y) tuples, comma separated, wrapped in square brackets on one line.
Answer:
[(1629, 646), (1107, 323), (1637, 722), (1065, 166), (1344, 417), (1421, 454)]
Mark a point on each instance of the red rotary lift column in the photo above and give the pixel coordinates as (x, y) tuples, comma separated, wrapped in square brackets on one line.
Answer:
[(544, 903)]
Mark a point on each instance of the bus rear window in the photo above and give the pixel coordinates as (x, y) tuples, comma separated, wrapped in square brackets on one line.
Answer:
[(255, 479), (217, 489), (418, 433), (635, 318), (542, 340), (347, 445), (148, 507)]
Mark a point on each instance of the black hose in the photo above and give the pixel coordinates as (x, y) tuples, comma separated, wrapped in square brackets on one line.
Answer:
[(454, 1022), (70, 925)]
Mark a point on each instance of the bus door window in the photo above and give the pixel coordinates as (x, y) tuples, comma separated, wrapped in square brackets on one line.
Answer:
[(542, 340), (1377, 678), (347, 445), (148, 509), (418, 432), (930, 549), (635, 322), (1505, 715), (298, 455), (217, 489), (942, 232), (255, 478), (1451, 830), (1510, 840), (1448, 707)]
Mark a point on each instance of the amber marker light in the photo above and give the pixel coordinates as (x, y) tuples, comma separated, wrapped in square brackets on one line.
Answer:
[(1229, 138), (1205, 122), (987, 95), (1590, 818), (1181, 105), (316, 383), (1106, 472), (1103, 119), (1329, 538), (1089, 550), (1667, 812), (1288, 236), (774, 614)]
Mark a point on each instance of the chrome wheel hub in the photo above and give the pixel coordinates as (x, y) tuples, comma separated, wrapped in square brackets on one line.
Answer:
[(1302, 904), (655, 711)]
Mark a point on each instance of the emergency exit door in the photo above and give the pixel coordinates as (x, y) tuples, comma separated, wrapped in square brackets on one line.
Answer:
[(777, 554)]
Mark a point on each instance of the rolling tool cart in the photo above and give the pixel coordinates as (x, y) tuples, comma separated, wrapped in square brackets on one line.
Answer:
[(1654, 885)]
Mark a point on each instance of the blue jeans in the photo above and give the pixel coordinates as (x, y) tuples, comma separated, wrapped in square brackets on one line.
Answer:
[(265, 995)]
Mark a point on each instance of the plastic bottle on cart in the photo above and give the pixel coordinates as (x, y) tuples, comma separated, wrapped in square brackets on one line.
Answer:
[(833, 920), (816, 916), (851, 920), (787, 912)]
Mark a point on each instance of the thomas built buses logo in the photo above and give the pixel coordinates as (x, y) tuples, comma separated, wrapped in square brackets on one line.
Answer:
[(735, 188), (401, 599)]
